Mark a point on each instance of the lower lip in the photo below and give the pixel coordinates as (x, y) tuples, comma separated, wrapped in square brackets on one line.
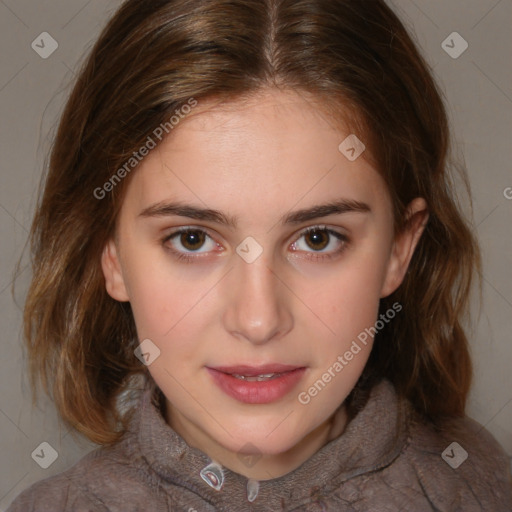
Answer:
[(262, 392)]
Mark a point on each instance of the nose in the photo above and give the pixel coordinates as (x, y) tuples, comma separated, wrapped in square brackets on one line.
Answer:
[(258, 304)]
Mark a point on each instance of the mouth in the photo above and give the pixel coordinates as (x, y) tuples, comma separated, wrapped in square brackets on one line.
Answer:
[(253, 371), (257, 384)]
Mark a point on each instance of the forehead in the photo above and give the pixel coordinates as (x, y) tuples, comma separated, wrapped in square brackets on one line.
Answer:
[(255, 157)]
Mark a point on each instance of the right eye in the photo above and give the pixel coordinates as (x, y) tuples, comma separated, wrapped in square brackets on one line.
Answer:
[(185, 242)]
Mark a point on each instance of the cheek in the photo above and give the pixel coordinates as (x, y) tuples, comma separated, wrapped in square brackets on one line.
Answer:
[(166, 306), (175, 319), (347, 298)]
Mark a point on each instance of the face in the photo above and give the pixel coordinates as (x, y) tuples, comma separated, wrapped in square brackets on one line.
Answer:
[(249, 244)]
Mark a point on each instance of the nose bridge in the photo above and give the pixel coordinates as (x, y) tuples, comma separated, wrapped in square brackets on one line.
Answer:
[(258, 308)]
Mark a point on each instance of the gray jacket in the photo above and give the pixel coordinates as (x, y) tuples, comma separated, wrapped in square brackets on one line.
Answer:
[(386, 460)]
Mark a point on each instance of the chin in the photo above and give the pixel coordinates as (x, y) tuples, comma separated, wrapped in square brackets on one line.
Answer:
[(263, 438)]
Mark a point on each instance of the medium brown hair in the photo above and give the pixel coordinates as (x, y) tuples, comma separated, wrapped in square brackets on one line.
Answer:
[(357, 59)]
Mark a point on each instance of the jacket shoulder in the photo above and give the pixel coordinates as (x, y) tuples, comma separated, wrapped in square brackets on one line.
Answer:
[(460, 465), (59, 493), (104, 480)]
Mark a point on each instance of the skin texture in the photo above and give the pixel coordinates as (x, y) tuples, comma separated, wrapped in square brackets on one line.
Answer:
[(257, 161)]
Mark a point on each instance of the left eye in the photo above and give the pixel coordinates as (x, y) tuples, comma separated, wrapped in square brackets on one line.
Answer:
[(319, 239)]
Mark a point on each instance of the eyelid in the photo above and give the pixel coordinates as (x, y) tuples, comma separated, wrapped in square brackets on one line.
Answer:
[(184, 229), (319, 227)]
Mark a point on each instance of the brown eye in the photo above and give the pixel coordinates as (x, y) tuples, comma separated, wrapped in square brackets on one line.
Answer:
[(317, 239), (192, 240), (320, 243), (190, 244)]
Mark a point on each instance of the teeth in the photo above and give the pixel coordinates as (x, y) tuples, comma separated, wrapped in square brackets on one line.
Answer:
[(257, 378)]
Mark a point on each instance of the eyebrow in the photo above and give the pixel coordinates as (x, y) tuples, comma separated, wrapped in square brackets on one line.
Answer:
[(207, 214)]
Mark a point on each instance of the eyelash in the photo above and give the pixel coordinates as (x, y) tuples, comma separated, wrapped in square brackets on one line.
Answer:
[(191, 257)]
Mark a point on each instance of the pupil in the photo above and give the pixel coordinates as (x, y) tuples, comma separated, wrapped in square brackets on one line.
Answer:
[(192, 240), (319, 239)]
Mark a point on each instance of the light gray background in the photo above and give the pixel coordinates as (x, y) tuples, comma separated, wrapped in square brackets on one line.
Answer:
[(32, 91)]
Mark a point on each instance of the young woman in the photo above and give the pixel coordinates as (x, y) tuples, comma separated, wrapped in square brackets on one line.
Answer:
[(250, 270)]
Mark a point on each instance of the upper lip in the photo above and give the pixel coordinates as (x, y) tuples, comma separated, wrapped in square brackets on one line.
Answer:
[(253, 371)]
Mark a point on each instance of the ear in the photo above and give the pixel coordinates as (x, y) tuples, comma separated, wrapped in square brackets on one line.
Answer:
[(111, 266), (404, 245)]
